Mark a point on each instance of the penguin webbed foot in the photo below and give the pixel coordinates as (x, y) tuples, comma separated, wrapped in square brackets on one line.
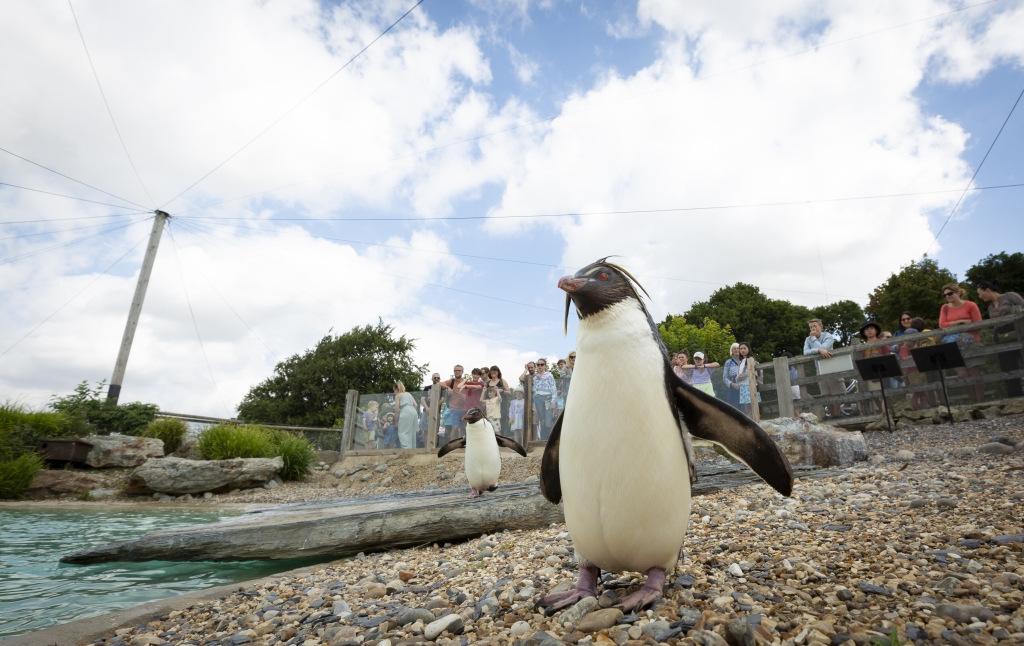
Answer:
[(586, 586), (646, 595), (475, 494)]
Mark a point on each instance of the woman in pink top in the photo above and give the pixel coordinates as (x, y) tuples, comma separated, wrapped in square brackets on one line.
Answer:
[(956, 312)]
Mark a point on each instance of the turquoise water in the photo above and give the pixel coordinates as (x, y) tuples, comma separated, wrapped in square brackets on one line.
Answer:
[(36, 591)]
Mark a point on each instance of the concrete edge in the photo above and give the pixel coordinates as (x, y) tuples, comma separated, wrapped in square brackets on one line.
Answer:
[(83, 631)]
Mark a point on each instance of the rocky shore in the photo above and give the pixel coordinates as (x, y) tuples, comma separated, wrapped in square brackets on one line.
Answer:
[(923, 540)]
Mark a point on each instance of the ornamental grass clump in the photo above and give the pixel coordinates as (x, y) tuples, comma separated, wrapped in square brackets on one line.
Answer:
[(20, 430), (226, 441), (16, 475), (170, 430)]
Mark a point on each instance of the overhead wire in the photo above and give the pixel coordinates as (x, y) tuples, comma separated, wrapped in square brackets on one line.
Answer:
[(188, 301), (678, 209), (77, 294), (233, 310), (71, 242), (53, 232), (47, 168), (446, 287), (87, 217), (263, 267), (107, 104), (70, 197), (605, 104), (976, 171), (300, 102)]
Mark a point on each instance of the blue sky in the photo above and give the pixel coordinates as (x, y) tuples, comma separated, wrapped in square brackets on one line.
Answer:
[(634, 105)]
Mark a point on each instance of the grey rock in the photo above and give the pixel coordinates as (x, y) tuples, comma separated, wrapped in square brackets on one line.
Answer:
[(995, 448), (356, 468), (122, 450), (386, 482), (807, 442), (381, 468), (915, 633), (180, 476), (946, 503), (963, 613), (844, 595), (582, 608), (655, 628), (1002, 439), (684, 581), (870, 588), (689, 616), (904, 455), (431, 485), (207, 495), (919, 503), (531, 479), (961, 451), (519, 628), (444, 476), (412, 615), (271, 484), (100, 494), (1007, 539), (608, 599), (365, 477), (948, 584), (599, 620), (541, 639), (59, 481), (450, 623), (739, 632)]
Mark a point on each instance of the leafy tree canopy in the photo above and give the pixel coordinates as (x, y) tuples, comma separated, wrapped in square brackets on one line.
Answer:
[(770, 326), (1006, 270), (916, 288), (841, 318), (710, 338), (88, 412), (309, 389)]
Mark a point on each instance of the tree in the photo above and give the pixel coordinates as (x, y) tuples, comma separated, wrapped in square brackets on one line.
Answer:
[(87, 411), (842, 319), (916, 288), (770, 326), (310, 389), (1006, 270), (710, 338)]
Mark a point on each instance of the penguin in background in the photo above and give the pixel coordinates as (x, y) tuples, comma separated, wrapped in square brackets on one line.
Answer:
[(630, 414), (483, 459)]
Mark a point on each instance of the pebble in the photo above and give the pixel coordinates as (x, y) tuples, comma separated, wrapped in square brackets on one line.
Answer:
[(450, 623), (599, 620), (904, 455), (995, 448), (582, 607), (520, 628), (963, 613)]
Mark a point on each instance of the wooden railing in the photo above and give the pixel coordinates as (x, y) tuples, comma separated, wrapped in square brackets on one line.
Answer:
[(778, 380)]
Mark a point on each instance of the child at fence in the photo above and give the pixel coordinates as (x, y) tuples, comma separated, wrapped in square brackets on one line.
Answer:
[(370, 422), (516, 414), (700, 373), (390, 432), (914, 377), (492, 406)]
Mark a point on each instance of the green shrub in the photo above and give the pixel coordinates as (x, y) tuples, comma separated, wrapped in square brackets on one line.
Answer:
[(169, 429), (21, 429), (226, 441), (16, 474), (297, 454), (88, 412)]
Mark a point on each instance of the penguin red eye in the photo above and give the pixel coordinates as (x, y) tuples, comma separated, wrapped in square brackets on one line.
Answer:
[(602, 276)]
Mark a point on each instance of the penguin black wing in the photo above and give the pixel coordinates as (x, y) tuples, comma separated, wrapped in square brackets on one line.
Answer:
[(459, 443), (550, 485), (715, 421), (509, 443)]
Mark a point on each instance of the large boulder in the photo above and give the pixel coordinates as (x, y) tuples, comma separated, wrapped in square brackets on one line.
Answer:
[(58, 481), (180, 476), (807, 442), (122, 450)]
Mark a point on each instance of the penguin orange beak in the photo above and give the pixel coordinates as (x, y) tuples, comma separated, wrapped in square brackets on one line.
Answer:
[(570, 284)]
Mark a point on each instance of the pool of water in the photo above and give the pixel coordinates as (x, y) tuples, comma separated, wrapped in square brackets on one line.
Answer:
[(37, 591)]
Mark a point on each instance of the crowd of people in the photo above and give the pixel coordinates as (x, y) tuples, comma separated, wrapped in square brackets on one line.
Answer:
[(404, 422)]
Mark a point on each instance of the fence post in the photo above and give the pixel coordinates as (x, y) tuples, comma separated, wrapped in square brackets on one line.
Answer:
[(349, 426), (783, 386), (528, 412), (755, 407), (433, 417)]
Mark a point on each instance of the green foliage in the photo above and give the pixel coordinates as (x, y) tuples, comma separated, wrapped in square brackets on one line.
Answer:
[(310, 389), (21, 429), (710, 338), (841, 318), (226, 441), (88, 412), (893, 640), (769, 325), (297, 454), (170, 430), (17, 474), (1006, 270), (916, 288)]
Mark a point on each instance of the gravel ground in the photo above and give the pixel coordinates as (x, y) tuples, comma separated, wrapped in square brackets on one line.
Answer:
[(924, 539)]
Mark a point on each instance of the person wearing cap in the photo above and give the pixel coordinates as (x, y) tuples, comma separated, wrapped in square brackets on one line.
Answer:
[(700, 373), (869, 333), (821, 343)]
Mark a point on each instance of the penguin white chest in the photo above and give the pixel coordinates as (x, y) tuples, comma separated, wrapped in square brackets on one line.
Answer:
[(622, 463), (483, 460)]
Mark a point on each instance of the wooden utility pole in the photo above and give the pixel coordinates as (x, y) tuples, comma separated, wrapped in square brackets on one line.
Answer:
[(136, 308)]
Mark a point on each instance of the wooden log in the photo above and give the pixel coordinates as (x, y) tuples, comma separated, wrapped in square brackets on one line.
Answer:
[(338, 528)]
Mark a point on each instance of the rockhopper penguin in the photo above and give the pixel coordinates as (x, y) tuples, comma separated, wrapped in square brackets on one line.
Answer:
[(627, 413), (483, 460)]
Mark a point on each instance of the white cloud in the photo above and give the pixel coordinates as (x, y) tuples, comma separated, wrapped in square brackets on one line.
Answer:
[(525, 67)]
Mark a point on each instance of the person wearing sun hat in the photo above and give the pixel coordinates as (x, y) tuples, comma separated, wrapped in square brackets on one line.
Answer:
[(870, 332)]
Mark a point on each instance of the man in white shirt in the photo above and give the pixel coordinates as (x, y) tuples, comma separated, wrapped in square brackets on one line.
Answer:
[(821, 343)]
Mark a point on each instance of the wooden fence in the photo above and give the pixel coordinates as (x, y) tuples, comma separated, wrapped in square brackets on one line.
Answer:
[(778, 399)]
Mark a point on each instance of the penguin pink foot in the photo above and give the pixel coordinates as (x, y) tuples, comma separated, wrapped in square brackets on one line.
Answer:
[(646, 595), (475, 494), (586, 586)]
